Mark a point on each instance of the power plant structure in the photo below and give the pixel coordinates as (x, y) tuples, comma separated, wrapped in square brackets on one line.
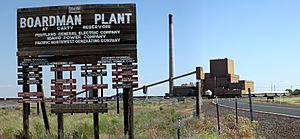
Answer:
[(171, 55), (222, 81)]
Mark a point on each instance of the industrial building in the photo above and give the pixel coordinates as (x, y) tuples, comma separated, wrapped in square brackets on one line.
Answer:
[(220, 81), (223, 82), (185, 90)]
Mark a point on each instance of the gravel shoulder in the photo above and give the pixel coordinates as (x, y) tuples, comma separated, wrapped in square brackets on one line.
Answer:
[(270, 126)]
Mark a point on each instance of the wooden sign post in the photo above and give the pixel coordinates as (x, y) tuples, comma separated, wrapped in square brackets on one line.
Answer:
[(95, 73), (59, 93), (39, 88), (126, 80), (31, 75), (60, 116), (95, 114), (26, 106), (117, 93)]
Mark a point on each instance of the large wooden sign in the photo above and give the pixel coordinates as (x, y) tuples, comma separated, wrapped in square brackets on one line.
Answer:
[(76, 33)]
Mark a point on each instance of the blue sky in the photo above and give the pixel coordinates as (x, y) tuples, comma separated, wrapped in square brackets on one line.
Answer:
[(262, 37)]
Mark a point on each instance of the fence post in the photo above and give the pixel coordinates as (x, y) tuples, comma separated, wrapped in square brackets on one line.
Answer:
[(198, 99), (178, 133), (217, 105), (236, 111), (250, 104), (178, 128)]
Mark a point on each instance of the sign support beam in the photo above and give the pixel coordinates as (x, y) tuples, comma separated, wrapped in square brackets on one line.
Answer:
[(26, 106), (44, 112), (130, 113), (95, 115), (125, 109), (60, 116), (117, 95), (86, 92), (39, 88)]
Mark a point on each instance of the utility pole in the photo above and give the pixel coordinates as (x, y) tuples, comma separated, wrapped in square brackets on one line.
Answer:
[(198, 97), (271, 87)]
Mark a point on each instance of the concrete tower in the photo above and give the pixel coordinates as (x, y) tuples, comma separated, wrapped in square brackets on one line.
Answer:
[(171, 55)]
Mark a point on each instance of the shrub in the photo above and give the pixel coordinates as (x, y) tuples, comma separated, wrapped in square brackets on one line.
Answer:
[(296, 92)]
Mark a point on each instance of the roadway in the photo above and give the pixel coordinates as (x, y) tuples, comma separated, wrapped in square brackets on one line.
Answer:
[(281, 109)]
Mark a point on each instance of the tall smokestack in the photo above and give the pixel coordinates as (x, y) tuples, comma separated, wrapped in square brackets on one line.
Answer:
[(171, 55)]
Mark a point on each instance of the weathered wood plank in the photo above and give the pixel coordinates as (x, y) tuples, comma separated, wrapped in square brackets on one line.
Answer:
[(30, 75), (75, 59), (125, 79), (125, 85), (124, 67), (30, 100), (64, 93), (63, 87), (102, 73), (63, 81), (68, 68), (95, 86), (30, 94), (21, 82), (95, 67), (28, 69), (79, 108), (124, 73)]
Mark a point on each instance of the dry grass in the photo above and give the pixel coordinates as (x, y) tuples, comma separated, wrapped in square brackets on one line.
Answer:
[(284, 100), (152, 121)]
